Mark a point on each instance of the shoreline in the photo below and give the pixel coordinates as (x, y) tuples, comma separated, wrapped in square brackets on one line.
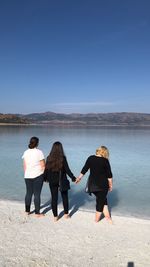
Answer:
[(61, 125), (82, 209), (40, 242)]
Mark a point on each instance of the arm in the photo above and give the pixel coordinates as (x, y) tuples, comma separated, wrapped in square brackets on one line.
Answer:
[(24, 165), (46, 172), (83, 171), (110, 183), (109, 175), (42, 164), (79, 178), (68, 171)]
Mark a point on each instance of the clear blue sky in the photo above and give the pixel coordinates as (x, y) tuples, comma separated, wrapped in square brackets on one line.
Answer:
[(74, 56)]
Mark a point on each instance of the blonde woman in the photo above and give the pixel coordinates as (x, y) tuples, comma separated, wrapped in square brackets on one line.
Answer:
[(99, 181)]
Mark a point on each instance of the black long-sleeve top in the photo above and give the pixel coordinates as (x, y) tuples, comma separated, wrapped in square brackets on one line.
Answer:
[(53, 177), (100, 171)]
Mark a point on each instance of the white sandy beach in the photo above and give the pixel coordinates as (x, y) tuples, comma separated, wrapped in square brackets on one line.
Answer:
[(27, 241)]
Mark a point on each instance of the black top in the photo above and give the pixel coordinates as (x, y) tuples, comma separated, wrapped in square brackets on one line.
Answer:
[(54, 177), (100, 171)]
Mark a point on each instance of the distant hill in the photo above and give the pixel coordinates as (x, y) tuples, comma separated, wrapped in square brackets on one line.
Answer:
[(12, 118), (77, 119)]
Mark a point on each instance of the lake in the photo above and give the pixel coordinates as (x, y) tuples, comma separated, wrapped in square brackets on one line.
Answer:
[(129, 157)]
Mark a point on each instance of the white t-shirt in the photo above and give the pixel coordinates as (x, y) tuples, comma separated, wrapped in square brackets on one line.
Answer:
[(32, 159)]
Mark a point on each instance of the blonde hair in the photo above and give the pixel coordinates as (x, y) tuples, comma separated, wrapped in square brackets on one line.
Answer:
[(103, 152)]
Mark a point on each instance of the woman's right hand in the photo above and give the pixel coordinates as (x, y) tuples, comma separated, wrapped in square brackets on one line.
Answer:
[(110, 184), (110, 188)]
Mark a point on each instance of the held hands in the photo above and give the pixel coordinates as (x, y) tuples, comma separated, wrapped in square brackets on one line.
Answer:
[(78, 179)]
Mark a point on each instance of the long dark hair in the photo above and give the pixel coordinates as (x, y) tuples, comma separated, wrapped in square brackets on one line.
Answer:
[(34, 141), (55, 157)]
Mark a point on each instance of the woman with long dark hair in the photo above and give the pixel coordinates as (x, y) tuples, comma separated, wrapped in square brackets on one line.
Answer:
[(34, 165), (55, 174), (99, 181)]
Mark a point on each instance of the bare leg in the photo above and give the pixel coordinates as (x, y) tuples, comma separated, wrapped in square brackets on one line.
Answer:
[(55, 218), (107, 213), (66, 216), (97, 216)]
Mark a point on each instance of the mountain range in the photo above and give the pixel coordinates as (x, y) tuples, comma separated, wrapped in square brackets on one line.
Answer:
[(78, 119)]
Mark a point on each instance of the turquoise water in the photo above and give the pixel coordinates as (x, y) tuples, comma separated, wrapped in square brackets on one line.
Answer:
[(129, 158)]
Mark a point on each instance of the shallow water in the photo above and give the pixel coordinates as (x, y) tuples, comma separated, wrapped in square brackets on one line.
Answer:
[(129, 158)]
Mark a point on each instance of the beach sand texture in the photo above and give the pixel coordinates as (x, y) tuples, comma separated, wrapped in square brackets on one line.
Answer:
[(27, 241)]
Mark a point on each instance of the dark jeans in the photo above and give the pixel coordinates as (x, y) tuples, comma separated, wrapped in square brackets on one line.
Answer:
[(101, 199), (54, 201), (33, 187)]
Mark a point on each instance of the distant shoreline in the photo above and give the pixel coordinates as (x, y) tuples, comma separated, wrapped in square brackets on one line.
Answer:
[(74, 125), (122, 119)]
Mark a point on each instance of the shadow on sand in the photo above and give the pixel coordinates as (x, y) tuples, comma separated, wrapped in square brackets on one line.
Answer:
[(130, 264), (81, 200)]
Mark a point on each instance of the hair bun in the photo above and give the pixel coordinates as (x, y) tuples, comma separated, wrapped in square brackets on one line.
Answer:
[(34, 141)]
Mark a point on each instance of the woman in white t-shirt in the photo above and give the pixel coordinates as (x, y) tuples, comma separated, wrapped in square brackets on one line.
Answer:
[(34, 165)]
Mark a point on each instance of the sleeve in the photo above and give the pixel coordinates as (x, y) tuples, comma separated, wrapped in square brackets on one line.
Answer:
[(41, 155), (86, 166), (23, 156), (68, 171), (108, 169)]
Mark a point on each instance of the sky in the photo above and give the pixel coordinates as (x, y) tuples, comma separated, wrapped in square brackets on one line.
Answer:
[(74, 56)]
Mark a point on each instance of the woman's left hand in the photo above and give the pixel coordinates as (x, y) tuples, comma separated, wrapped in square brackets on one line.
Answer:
[(78, 180)]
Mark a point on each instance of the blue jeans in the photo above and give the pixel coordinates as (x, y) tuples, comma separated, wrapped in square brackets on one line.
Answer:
[(33, 187)]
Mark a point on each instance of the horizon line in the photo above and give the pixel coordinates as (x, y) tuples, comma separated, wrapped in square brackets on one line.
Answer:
[(84, 113)]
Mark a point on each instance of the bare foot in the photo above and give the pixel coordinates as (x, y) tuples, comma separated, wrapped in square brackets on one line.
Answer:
[(39, 215), (109, 220), (97, 216), (56, 219), (66, 216), (106, 211)]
